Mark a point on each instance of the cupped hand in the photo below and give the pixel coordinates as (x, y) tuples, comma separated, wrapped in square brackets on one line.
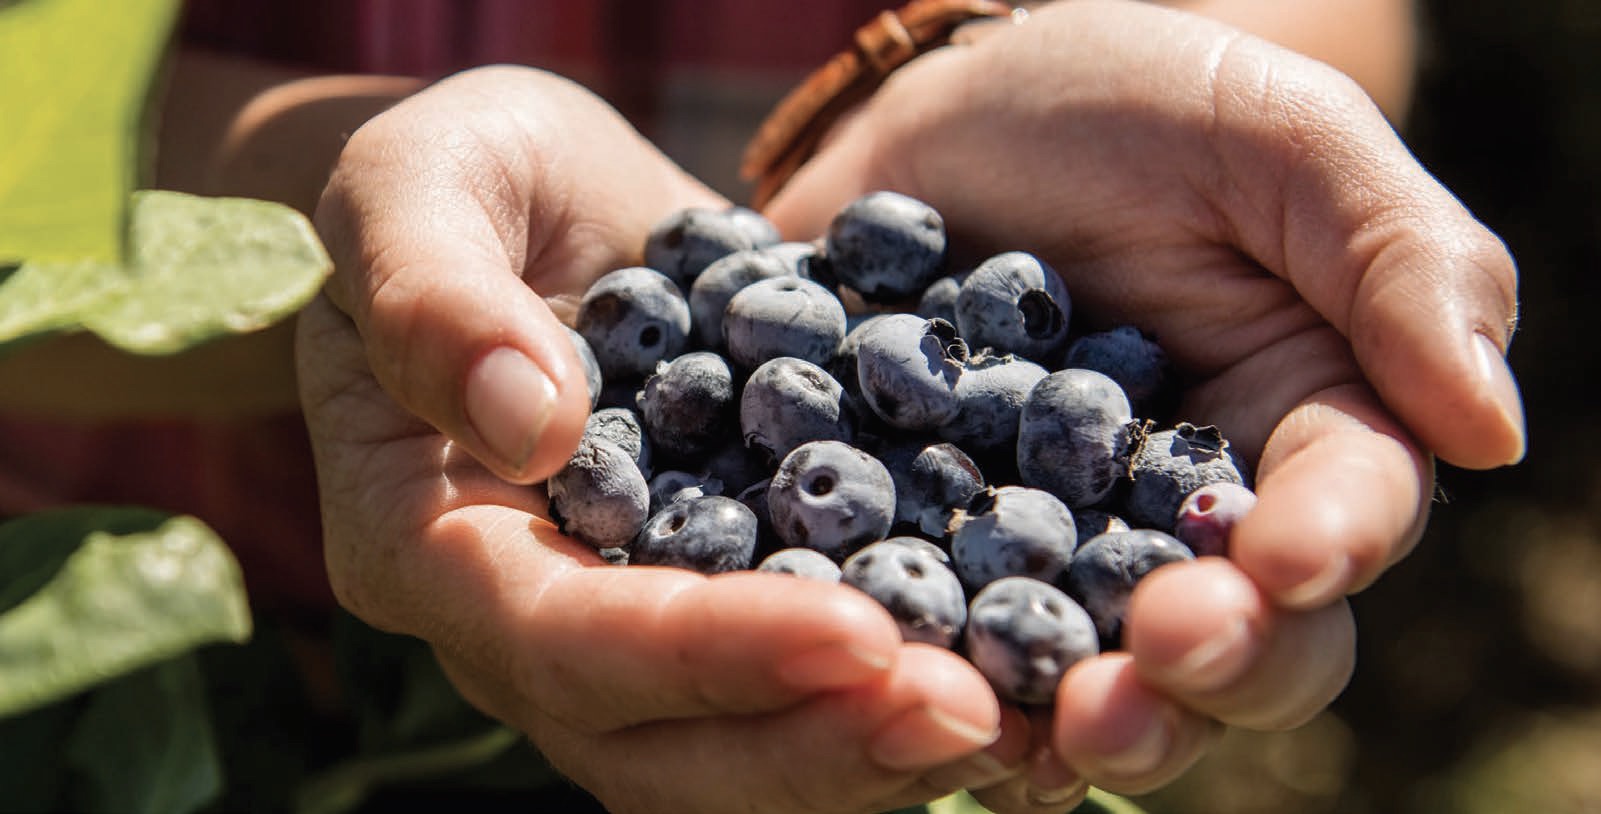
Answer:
[(1333, 309), (438, 384)]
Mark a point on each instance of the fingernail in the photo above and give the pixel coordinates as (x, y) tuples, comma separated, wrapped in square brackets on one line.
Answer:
[(831, 666), (1050, 783), (509, 401), (1215, 662), (1143, 755), (924, 737), (1327, 585), (1494, 373)]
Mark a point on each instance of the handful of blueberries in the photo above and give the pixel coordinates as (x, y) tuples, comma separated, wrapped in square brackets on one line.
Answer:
[(972, 463)]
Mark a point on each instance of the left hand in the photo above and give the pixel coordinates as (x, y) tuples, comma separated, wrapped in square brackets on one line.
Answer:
[(1332, 308)]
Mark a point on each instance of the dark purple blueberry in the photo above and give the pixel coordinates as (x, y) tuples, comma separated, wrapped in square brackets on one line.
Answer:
[(1092, 523), (586, 357), (908, 367), (711, 534), (921, 593), (832, 497), (755, 225), (1023, 635), (1208, 515), (633, 318), (1168, 465), (711, 291), (737, 466), (939, 299), (931, 485), (1012, 531), (600, 496), (886, 246), (783, 316), (672, 485), (990, 396), (685, 242), (930, 546), (1106, 569), (1015, 303), (1128, 357), (1073, 436), (687, 405), (788, 402), (801, 562), (621, 426)]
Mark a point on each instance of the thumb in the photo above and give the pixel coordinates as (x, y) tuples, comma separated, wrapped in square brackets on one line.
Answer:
[(444, 215)]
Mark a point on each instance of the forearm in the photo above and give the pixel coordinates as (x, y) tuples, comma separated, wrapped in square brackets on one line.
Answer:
[(1372, 41)]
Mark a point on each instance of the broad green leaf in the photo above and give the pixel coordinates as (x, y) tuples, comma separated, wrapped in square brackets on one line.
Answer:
[(144, 744), (115, 603), (31, 770), (75, 80), (198, 268)]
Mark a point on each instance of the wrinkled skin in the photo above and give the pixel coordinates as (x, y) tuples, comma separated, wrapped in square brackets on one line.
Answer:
[(1320, 291)]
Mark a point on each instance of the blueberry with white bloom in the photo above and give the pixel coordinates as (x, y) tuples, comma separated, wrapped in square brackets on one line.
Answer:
[(886, 246), (633, 318), (783, 316), (908, 368), (711, 534), (1023, 635), (787, 402), (922, 594), (832, 497), (801, 562), (711, 291), (1073, 437), (1106, 569), (600, 497), (1015, 302), (1169, 465), (1013, 531), (685, 242), (687, 404), (990, 396)]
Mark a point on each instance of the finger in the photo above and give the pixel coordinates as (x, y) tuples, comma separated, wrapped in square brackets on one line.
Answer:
[(1343, 490), (1204, 634), (442, 213), (860, 749), (1120, 734), (997, 763), (1425, 293)]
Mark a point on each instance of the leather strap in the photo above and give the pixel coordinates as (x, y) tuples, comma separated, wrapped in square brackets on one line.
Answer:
[(790, 134)]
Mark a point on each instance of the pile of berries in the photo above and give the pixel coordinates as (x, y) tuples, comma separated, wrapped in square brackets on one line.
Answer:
[(972, 463)]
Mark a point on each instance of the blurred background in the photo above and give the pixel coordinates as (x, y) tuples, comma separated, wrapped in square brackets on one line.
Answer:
[(1478, 684)]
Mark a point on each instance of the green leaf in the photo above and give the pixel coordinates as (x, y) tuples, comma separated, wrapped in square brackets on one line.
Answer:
[(198, 268), (114, 602), (144, 744), (31, 770), (77, 76)]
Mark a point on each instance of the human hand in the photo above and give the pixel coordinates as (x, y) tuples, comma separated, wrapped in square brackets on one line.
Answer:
[(438, 384), (1334, 310)]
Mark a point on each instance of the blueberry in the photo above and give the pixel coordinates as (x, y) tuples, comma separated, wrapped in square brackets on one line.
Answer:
[(754, 497), (1106, 569), (1015, 303), (921, 544), (1023, 635), (783, 316), (1208, 515), (685, 242), (621, 426), (1128, 357), (801, 562), (633, 318), (788, 402), (931, 484), (687, 405), (908, 367), (1073, 436), (1168, 465), (1091, 523), (843, 368), (921, 593), (711, 534), (886, 246), (586, 357), (600, 496), (990, 396), (711, 291), (1012, 531), (672, 485), (737, 466), (806, 259), (832, 497), (755, 225), (939, 299)]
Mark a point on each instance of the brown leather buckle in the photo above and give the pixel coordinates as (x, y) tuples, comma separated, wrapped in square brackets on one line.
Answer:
[(790, 134)]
